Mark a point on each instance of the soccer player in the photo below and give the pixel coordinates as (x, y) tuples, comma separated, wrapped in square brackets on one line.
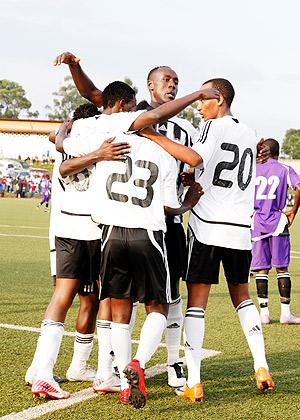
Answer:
[(129, 202), (45, 192), (77, 265), (219, 229), (270, 231), (162, 83)]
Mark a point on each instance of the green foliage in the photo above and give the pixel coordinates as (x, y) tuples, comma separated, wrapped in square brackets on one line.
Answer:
[(291, 143), (131, 84), (191, 114), (65, 101), (13, 100)]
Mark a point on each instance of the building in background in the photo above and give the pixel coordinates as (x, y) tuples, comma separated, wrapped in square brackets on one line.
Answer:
[(22, 139)]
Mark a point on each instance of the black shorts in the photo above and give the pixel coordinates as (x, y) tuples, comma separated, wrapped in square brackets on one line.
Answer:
[(78, 259), (177, 255), (134, 264), (204, 263)]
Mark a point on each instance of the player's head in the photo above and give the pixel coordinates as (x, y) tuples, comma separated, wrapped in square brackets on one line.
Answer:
[(119, 96), (86, 110), (143, 105), (212, 108), (274, 147), (162, 83)]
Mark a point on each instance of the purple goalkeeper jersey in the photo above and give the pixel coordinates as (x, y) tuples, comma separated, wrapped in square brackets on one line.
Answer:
[(271, 185)]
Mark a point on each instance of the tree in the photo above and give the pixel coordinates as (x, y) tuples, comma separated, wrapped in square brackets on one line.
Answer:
[(65, 101), (131, 84), (291, 143), (13, 100), (191, 114)]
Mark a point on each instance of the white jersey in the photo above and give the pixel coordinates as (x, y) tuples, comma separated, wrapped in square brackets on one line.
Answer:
[(132, 193), (181, 131), (74, 220), (56, 200), (222, 216)]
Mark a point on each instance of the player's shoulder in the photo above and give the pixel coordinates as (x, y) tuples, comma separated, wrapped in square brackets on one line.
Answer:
[(184, 124)]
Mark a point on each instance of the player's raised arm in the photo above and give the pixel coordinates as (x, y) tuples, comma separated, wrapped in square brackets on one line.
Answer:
[(172, 108), (190, 200), (179, 151), (85, 86)]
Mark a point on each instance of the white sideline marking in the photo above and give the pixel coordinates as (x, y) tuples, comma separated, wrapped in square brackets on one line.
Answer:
[(24, 236), (66, 333), (85, 394), (23, 227), (293, 256)]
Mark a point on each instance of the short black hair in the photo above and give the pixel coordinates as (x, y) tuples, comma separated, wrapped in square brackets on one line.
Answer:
[(143, 105), (274, 147), (157, 68), (85, 110), (116, 91), (224, 87)]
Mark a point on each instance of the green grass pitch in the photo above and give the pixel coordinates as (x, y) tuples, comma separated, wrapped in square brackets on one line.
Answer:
[(228, 380)]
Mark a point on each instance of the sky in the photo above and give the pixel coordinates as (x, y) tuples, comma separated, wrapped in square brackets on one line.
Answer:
[(254, 44)]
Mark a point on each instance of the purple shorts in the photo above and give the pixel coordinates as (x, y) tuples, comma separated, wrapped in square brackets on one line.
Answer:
[(273, 251)]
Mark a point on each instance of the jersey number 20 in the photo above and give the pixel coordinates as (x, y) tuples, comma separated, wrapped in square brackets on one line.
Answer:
[(143, 183), (229, 166)]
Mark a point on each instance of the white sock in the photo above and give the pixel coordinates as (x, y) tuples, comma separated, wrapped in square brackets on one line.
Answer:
[(194, 327), (104, 370), (285, 309), (150, 337), (133, 316), (121, 345), (35, 361), (251, 325), (173, 331), (49, 344), (83, 345)]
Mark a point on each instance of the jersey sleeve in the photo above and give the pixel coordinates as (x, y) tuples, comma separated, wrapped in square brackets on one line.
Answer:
[(205, 144), (170, 197), (293, 178), (125, 120), (78, 143)]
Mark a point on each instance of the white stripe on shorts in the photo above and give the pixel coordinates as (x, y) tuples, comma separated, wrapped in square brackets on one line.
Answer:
[(191, 243), (165, 259), (107, 237)]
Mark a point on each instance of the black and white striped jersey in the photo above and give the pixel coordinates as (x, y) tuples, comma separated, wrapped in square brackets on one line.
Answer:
[(181, 131)]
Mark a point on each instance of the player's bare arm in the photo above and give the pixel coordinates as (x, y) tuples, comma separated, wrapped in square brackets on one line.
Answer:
[(63, 133), (85, 86), (179, 151), (292, 213), (172, 108), (190, 200), (107, 151)]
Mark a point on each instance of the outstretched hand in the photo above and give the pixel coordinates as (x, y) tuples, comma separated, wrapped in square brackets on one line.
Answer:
[(113, 151), (208, 93), (66, 58), (193, 195)]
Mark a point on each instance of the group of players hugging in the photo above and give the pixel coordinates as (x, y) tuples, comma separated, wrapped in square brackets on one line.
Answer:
[(117, 205)]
